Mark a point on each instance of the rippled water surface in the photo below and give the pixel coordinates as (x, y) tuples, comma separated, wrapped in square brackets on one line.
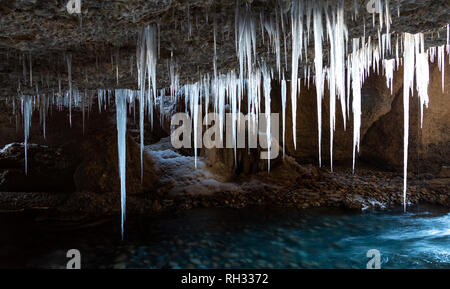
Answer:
[(226, 238)]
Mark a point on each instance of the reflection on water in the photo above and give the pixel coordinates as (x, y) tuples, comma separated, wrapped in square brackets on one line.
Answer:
[(227, 238)]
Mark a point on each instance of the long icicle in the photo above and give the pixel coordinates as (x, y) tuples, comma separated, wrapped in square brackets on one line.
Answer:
[(27, 113), (283, 105), (356, 91), (297, 43), (408, 85), (121, 118), (318, 59)]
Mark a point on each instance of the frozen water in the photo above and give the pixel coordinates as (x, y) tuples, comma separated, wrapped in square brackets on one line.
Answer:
[(408, 85), (27, 104), (121, 118), (297, 44), (318, 64)]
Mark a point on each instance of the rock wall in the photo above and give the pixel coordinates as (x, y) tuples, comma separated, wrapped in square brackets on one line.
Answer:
[(429, 146)]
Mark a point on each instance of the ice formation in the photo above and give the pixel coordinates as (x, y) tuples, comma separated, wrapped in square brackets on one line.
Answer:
[(121, 115), (337, 36), (357, 76), (297, 44), (388, 66), (27, 106), (318, 64), (441, 63), (344, 70), (146, 59), (408, 79), (283, 109), (422, 73), (267, 89)]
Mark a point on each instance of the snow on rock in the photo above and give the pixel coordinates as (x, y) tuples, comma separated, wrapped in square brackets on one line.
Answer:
[(178, 174)]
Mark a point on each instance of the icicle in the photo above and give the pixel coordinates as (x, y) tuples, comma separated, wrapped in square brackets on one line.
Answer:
[(448, 42), (140, 60), (309, 8), (267, 89), (408, 85), (99, 99), (388, 27), (318, 37), (121, 115), (207, 94), (195, 105), (441, 63), (261, 23), (189, 20), (43, 112), (215, 47), (297, 43), (151, 62), (331, 74), (27, 104), (246, 53), (448, 34), (69, 73), (380, 11), (388, 66), (341, 40), (337, 36), (146, 60), (284, 41), (422, 73), (274, 38), (356, 104), (283, 105), (396, 53)]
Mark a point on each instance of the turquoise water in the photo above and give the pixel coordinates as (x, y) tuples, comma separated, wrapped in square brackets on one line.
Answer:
[(227, 238)]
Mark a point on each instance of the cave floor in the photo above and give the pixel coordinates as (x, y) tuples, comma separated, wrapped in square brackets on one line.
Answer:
[(364, 190)]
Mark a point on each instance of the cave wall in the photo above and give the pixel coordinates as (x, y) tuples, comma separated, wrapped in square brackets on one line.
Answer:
[(429, 146)]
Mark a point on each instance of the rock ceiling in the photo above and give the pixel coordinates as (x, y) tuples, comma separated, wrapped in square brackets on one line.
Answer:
[(105, 33)]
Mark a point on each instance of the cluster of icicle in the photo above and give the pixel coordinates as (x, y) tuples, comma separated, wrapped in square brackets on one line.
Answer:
[(347, 69), (345, 74)]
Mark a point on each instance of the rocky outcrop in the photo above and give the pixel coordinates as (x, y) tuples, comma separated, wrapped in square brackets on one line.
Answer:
[(49, 169)]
